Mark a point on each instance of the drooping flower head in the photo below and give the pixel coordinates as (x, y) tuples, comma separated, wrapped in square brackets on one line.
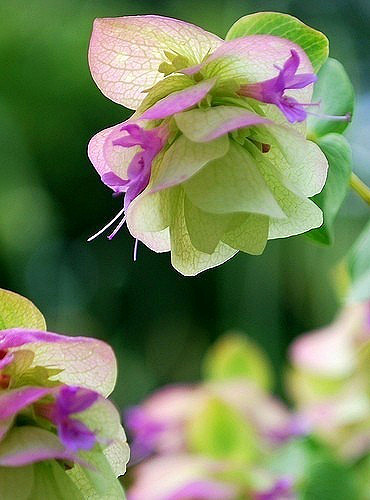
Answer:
[(212, 161)]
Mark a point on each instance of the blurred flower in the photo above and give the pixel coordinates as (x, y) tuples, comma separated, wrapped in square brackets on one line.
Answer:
[(225, 168), (180, 477), (52, 395), (329, 380)]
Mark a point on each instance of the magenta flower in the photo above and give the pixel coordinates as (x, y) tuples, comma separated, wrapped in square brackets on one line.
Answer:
[(73, 433), (208, 164), (272, 91)]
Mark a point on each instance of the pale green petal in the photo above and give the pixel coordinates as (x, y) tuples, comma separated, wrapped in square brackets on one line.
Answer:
[(149, 212), (248, 233), (205, 229), (99, 483), (302, 214), (104, 420), (51, 482), (185, 158), (18, 312), (200, 125), (16, 482), (185, 258), (232, 184), (300, 164), (164, 88)]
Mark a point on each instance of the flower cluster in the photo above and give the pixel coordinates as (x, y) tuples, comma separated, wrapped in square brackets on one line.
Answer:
[(55, 421), (229, 438), (213, 439), (215, 158)]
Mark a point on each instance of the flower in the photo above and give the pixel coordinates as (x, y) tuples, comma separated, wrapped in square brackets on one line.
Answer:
[(329, 380), (272, 91), (281, 490), (212, 161), (45, 416)]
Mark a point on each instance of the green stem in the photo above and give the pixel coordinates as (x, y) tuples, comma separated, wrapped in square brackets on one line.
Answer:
[(360, 187)]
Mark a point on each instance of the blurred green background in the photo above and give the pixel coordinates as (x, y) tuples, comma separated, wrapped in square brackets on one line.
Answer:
[(51, 200)]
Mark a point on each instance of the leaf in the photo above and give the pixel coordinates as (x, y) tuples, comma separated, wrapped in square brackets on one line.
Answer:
[(339, 155), (220, 432), (330, 480), (235, 356), (17, 311), (313, 42), (335, 93), (358, 263)]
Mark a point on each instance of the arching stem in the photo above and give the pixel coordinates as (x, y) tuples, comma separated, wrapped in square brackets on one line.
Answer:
[(360, 187)]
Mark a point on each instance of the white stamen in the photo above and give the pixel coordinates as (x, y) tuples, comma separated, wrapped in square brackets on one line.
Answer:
[(113, 234), (107, 225), (135, 249)]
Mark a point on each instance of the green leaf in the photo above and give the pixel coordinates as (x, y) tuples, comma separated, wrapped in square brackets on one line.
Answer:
[(339, 155), (335, 92), (358, 264), (18, 312), (235, 356), (313, 42), (220, 432), (330, 481)]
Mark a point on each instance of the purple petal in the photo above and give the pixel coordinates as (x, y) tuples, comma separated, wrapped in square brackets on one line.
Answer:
[(75, 435), (301, 81), (179, 101), (16, 399), (72, 399)]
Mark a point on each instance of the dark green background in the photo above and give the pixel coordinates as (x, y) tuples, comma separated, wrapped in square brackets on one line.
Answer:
[(51, 200)]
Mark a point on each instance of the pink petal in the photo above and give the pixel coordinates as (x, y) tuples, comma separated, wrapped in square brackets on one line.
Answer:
[(13, 401), (219, 121), (26, 444), (125, 53), (261, 54), (85, 362), (179, 101), (107, 158)]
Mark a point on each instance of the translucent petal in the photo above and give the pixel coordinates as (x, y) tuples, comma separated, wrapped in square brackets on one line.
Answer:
[(232, 183), (248, 233), (184, 257), (203, 125), (84, 361), (125, 53), (185, 158)]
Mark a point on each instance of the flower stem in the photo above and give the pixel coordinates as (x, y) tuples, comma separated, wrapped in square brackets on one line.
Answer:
[(360, 187)]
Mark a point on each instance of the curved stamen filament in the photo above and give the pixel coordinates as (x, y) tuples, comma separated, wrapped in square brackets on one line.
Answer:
[(107, 225)]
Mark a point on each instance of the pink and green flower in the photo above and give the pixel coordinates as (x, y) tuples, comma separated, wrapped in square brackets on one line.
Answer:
[(215, 158), (54, 415)]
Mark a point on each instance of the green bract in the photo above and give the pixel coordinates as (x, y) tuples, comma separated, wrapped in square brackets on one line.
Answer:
[(313, 42)]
